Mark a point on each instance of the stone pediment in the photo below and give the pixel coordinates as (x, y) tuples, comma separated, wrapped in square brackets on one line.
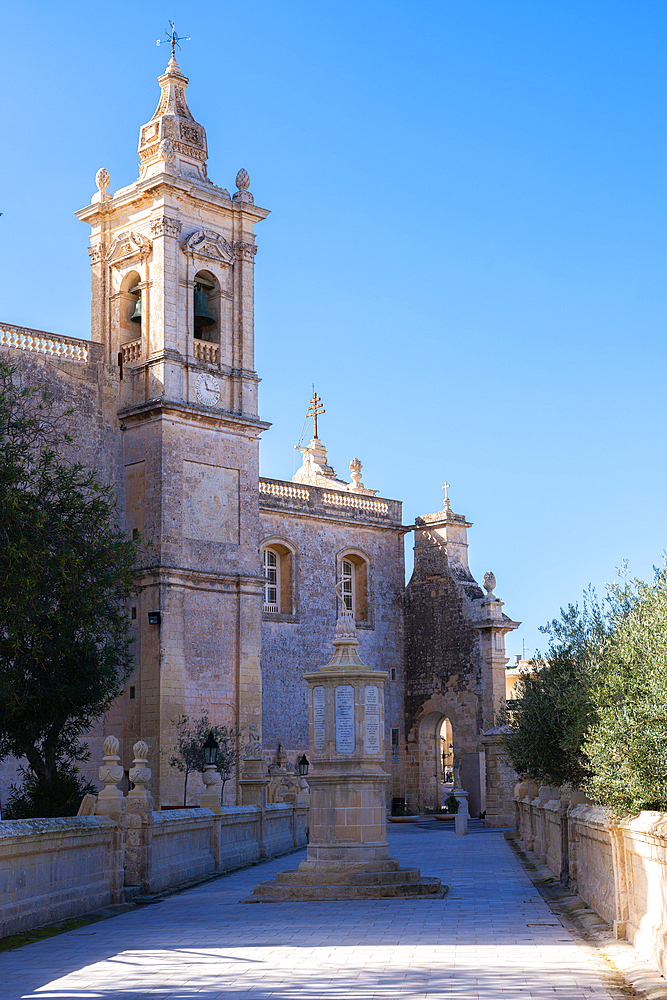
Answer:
[(128, 245), (211, 245)]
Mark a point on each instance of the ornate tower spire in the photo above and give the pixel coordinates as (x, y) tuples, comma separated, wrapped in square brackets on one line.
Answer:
[(172, 141)]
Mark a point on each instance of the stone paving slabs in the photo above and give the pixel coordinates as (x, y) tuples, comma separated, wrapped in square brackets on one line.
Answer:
[(491, 938)]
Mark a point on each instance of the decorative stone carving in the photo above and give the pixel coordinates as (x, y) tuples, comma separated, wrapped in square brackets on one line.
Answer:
[(253, 749), (128, 245), (242, 183), (210, 797), (165, 227), (355, 474), (489, 584), (246, 251), (209, 244), (102, 179), (140, 774), (97, 253), (166, 151), (110, 771)]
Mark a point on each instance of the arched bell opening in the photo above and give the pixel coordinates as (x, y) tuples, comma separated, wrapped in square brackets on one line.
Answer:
[(131, 308), (206, 307)]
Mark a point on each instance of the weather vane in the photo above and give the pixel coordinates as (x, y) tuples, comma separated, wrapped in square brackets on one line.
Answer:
[(173, 39), (314, 410)]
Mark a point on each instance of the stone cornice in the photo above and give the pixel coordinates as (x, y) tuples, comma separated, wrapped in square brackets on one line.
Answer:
[(206, 414)]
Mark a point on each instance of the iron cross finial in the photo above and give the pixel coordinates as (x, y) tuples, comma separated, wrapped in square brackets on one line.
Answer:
[(446, 489), (173, 39), (314, 410)]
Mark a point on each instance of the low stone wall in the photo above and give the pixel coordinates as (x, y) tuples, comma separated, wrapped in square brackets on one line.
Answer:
[(591, 860), (54, 869), (182, 847), (619, 869)]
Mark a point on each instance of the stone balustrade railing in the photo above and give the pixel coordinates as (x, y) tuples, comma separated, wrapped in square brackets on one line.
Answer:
[(323, 502), (352, 500), (41, 342), (284, 490), (131, 351), (206, 352)]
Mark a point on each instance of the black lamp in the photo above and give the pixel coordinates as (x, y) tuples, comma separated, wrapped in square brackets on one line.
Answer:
[(210, 750), (304, 764)]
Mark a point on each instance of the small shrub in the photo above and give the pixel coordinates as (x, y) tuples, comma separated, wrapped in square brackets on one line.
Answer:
[(451, 804), (36, 798)]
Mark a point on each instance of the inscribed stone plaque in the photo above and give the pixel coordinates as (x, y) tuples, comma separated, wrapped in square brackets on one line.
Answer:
[(318, 717), (372, 719), (210, 503), (345, 718)]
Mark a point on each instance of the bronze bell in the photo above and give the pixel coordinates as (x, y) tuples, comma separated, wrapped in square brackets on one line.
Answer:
[(203, 315), (136, 315)]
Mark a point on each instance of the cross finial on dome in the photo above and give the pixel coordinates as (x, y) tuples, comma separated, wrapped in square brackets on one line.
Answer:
[(446, 488)]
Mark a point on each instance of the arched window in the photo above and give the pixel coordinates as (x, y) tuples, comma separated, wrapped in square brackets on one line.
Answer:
[(354, 575), (278, 567)]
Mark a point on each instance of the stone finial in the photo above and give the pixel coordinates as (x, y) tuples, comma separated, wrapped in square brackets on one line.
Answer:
[(110, 771), (355, 474), (140, 774), (102, 179), (243, 183), (489, 584)]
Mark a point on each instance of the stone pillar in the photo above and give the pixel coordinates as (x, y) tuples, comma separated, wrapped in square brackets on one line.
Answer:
[(348, 822), (253, 782), (348, 853), (210, 797), (139, 822), (462, 815), (110, 801)]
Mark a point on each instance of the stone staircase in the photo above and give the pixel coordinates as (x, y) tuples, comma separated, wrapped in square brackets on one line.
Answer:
[(381, 879)]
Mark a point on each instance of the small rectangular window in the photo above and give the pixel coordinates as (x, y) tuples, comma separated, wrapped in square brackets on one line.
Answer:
[(134, 614), (272, 581), (393, 673), (348, 584), (132, 694), (395, 751), (135, 533)]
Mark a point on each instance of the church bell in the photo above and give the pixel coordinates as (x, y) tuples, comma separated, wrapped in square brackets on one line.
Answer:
[(136, 315), (203, 315)]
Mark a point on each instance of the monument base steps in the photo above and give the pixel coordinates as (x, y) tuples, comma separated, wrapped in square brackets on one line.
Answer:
[(337, 884)]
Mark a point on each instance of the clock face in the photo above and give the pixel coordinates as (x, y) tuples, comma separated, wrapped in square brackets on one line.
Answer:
[(207, 388)]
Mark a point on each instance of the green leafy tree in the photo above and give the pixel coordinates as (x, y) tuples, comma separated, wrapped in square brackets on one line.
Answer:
[(66, 569), (555, 707), (188, 754), (626, 747)]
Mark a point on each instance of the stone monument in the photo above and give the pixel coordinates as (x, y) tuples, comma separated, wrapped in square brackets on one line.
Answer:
[(348, 854)]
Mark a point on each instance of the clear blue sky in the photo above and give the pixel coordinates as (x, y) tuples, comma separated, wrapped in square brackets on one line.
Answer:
[(466, 252)]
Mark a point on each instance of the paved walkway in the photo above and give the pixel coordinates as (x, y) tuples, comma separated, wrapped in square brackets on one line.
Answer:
[(492, 938)]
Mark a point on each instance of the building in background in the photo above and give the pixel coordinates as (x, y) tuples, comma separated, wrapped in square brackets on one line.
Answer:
[(238, 584)]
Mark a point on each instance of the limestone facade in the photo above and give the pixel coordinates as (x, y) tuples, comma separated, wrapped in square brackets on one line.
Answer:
[(238, 580)]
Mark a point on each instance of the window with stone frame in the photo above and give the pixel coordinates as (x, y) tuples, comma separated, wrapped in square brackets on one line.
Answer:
[(354, 578), (271, 581), (278, 566)]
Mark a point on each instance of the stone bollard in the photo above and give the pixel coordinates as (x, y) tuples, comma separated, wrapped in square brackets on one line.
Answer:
[(138, 842), (462, 815)]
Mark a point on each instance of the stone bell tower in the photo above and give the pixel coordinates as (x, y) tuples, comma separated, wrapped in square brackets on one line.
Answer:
[(172, 260)]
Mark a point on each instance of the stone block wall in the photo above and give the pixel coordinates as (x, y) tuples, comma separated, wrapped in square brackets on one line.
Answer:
[(54, 869)]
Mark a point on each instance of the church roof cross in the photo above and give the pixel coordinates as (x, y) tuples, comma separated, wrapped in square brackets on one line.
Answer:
[(446, 488), (314, 410), (173, 39)]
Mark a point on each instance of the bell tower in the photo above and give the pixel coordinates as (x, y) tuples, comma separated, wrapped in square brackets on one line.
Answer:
[(172, 259)]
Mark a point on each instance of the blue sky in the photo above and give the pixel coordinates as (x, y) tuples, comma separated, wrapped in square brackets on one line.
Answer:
[(466, 252)]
